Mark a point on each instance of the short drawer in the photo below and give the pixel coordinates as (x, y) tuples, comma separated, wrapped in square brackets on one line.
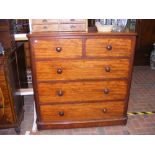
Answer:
[(44, 21), (57, 48), (72, 27), (82, 91), (82, 112), (45, 27), (73, 21), (82, 69), (107, 47)]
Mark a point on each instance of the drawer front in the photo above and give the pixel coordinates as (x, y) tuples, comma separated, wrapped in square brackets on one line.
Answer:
[(45, 27), (44, 21), (72, 20), (108, 47), (81, 91), (58, 48), (72, 27), (82, 112), (82, 69)]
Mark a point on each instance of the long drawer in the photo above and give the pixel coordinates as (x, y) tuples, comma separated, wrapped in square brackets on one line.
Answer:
[(82, 91), (82, 69), (82, 112), (103, 47), (58, 48)]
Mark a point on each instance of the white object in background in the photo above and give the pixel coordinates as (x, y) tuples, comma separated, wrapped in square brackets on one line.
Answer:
[(103, 28), (20, 37), (34, 127), (22, 92), (30, 25), (27, 133)]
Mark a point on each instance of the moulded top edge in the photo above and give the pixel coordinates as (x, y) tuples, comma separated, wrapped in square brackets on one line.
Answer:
[(52, 34)]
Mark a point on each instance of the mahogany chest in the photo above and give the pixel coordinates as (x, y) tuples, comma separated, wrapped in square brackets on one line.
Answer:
[(81, 79)]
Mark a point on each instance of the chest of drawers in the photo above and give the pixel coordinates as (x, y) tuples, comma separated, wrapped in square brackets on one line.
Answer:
[(81, 79), (44, 25)]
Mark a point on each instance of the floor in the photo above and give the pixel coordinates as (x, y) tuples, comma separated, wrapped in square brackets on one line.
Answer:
[(142, 99)]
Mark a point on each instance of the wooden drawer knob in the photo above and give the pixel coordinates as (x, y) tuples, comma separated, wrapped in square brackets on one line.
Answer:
[(109, 47), (59, 71), (106, 91), (104, 110), (61, 113), (60, 93), (107, 69), (58, 49)]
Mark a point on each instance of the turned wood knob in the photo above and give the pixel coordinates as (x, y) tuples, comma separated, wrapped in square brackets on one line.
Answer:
[(107, 69), (58, 49), (109, 47), (60, 93), (104, 110), (61, 113), (106, 91), (59, 71)]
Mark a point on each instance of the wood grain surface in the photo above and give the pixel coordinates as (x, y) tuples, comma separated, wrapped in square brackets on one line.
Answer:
[(7, 118), (82, 69), (80, 112), (98, 47), (70, 48), (82, 91)]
